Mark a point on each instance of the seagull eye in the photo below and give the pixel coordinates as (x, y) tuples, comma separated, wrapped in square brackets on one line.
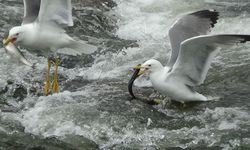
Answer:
[(17, 34), (149, 65)]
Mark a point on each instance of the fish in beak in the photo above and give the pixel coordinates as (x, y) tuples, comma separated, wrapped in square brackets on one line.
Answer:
[(8, 41), (15, 53), (138, 71), (141, 69)]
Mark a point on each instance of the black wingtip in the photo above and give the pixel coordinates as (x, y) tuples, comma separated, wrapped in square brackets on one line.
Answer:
[(244, 38), (212, 14), (239, 38)]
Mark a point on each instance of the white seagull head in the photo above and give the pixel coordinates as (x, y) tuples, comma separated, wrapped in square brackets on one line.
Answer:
[(15, 35), (151, 66)]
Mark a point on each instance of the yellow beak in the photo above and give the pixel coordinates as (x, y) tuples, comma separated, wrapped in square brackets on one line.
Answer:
[(138, 67), (7, 41)]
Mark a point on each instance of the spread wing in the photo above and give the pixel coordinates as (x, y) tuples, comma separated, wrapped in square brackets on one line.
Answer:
[(31, 10), (196, 55), (191, 25), (56, 11)]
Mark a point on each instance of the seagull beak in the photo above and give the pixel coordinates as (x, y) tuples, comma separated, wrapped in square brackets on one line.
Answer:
[(8, 40), (138, 67), (142, 69)]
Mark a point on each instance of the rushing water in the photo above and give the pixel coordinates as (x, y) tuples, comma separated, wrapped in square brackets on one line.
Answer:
[(93, 109)]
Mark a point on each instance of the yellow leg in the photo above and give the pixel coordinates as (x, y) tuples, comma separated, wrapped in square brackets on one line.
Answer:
[(48, 82), (55, 84)]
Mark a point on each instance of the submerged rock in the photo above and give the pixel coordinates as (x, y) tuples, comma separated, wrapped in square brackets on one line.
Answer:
[(80, 142), (21, 141), (19, 92)]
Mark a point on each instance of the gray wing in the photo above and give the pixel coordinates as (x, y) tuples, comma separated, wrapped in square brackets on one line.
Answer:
[(31, 10), (191, 25), (56, 11), (196, 55)]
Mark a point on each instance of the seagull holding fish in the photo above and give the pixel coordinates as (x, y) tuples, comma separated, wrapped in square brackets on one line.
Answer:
[(16, 54), (42, 31), (192, 53)]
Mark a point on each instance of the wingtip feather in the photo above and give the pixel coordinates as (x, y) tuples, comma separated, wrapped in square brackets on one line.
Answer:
[(212, 14)]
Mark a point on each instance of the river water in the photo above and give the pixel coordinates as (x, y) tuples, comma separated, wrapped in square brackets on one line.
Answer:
[(93, 109)]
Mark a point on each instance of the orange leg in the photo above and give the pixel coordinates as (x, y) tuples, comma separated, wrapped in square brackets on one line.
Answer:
[(55, 84), (47, 85)]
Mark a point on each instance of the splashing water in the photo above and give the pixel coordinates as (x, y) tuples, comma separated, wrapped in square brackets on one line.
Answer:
[(94, 102)]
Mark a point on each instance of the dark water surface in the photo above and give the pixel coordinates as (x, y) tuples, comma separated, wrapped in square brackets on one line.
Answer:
[(93, 109)]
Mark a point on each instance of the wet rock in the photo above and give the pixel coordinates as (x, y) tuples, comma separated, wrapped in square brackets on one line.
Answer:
[(76, 61), (33, 90), (81, 142), (72, 85), (3, 90), (13, 137), (10, 125), (20, 92), (21, 141), (12, 90), (100, 4), (9, 82)]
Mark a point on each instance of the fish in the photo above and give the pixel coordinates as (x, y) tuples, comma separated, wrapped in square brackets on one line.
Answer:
[(15, 53), (136, 74), (132, 79)]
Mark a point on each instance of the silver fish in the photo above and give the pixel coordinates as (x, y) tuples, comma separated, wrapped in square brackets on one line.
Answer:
[(14, 52)]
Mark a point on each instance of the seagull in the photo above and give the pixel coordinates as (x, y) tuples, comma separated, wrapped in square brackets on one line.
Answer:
[(42, 29), (192, 53)]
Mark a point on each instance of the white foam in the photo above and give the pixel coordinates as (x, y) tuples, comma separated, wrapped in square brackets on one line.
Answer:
[(225, 125), (148, 22), (64, 113)]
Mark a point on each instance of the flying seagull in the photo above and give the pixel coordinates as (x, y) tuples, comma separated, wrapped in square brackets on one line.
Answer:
[(42, 29), (192, 53)]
